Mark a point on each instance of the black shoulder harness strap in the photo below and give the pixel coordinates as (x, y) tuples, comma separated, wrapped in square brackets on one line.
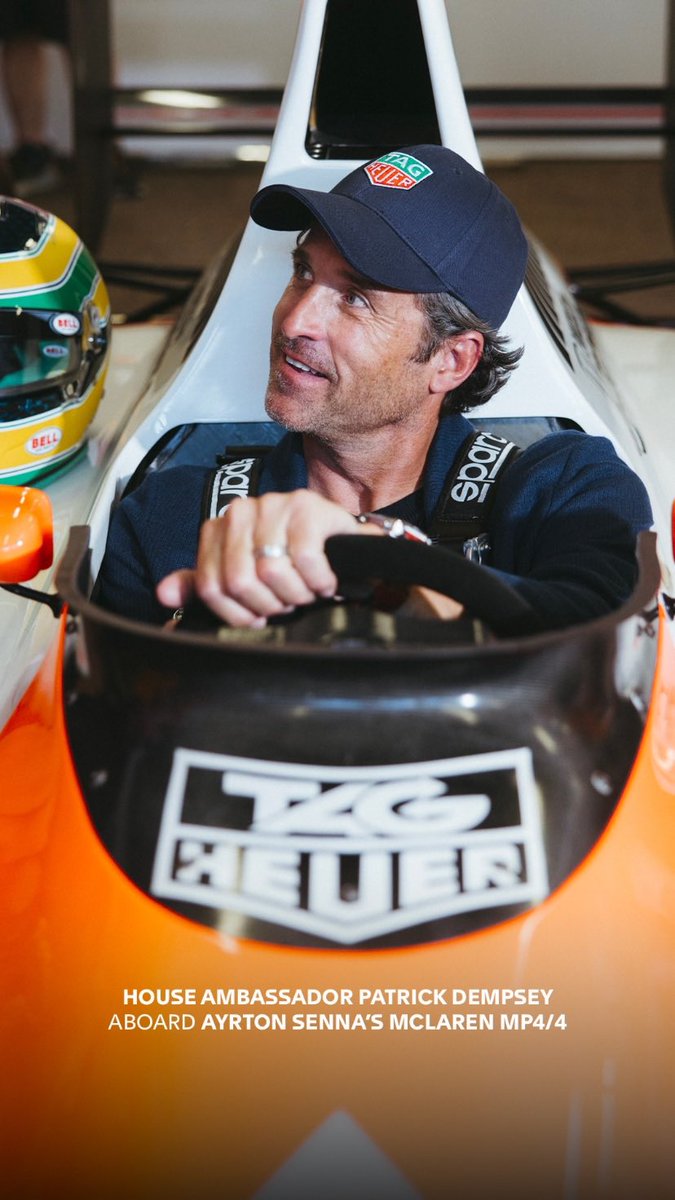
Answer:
[(463, 510), (237, 474), (466, 502)]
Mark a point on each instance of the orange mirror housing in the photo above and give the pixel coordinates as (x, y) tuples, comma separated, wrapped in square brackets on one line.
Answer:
[(26, 533)]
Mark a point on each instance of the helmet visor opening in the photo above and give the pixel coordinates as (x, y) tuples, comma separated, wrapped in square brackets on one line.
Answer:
[(37, 348)]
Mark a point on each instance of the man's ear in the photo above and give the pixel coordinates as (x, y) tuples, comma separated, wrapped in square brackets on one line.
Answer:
[(455, 360)]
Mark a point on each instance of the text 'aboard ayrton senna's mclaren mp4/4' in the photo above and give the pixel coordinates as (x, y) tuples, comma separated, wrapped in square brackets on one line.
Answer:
[(356, 904)]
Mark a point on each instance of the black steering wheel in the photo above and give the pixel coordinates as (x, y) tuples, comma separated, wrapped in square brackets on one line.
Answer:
[(360, 558)]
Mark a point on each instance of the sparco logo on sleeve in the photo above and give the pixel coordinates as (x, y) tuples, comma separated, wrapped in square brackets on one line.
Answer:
[(351, 855)]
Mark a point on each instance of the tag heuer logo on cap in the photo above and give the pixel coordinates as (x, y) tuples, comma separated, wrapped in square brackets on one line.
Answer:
[(397, 170)]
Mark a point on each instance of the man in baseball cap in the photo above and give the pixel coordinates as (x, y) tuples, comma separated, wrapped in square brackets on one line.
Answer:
[(385, 335)]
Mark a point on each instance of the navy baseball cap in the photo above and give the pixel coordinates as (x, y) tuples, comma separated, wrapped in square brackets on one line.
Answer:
[(420, 219)]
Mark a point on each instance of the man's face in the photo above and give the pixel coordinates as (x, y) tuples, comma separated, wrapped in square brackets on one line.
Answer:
[(341, 358)]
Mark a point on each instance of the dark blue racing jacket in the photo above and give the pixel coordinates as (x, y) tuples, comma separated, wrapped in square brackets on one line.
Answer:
[(562, 531)]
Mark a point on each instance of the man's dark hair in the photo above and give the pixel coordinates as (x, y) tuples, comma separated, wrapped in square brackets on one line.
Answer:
[(445, 317)]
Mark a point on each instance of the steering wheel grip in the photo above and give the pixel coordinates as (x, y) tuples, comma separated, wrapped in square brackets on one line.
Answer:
[(360, 558)]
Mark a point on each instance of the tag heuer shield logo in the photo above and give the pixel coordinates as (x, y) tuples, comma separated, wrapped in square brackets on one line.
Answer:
[(350, 855), (397, 170)]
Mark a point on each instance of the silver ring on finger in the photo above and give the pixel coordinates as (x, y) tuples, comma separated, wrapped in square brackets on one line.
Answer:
[(271, 551)]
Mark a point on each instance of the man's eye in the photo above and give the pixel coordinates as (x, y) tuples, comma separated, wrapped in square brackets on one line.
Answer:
[(301, 271), (355, 300)]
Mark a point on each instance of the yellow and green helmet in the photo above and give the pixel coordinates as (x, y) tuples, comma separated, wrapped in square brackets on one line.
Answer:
[(54, 341)]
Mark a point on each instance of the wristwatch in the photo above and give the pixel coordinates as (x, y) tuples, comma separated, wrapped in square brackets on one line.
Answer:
[(394, 527)]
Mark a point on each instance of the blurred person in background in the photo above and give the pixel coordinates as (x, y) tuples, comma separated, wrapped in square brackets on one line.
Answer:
[(26, 27)]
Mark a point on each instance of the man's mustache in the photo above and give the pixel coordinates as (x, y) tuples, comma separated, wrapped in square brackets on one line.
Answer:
[(304, 350)]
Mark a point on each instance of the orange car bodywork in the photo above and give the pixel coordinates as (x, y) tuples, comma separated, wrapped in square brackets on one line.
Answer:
[(586, 1110)]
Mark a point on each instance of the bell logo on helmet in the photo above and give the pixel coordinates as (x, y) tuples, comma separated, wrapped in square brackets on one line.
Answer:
[(66, 324), (45, 441), (397, 170)]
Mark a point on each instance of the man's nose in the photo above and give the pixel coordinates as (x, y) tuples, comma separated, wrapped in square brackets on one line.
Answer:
[(305, 315)]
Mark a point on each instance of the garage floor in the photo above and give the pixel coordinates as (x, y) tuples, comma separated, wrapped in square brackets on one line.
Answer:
[(586, 212)]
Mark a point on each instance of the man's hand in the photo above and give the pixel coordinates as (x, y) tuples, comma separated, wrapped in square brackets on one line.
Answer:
[(422, 602), (264, 557)]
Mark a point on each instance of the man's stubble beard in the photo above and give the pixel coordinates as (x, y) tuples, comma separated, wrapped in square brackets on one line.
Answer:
[(331, 417)]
